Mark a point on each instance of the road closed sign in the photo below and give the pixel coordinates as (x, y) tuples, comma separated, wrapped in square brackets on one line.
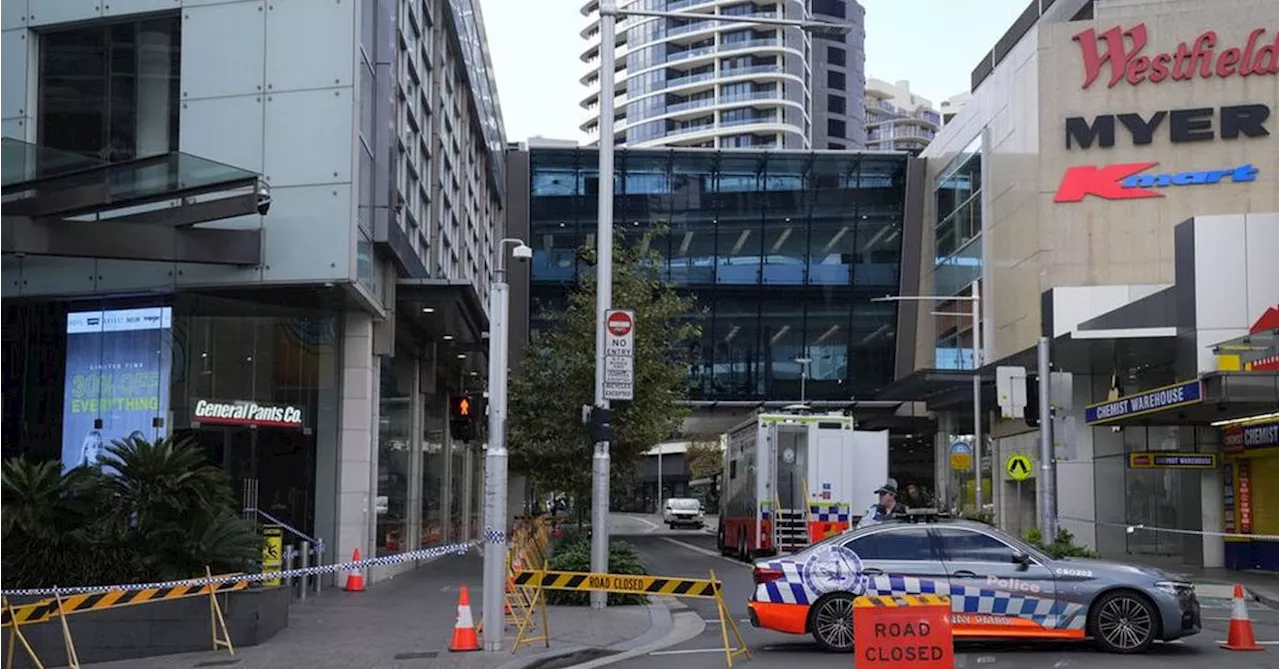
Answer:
[(903, 631), (619, 354)]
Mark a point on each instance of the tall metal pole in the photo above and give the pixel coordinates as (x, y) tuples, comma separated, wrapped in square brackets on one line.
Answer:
[(495, 488), (604, 297), (975, 311), (661, 508), (1046, 484)]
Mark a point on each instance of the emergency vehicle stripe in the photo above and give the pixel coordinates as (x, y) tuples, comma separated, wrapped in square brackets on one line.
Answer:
[(901, 600)]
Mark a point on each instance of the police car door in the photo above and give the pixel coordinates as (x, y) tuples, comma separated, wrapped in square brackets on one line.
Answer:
[(898, 559), (995, 587)]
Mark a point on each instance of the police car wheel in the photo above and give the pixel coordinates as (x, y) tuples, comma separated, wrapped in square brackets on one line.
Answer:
[(831, 622), (1123, 622)]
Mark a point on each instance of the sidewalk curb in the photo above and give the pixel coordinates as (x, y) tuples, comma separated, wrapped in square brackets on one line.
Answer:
[(1269, 601), (667, 628)]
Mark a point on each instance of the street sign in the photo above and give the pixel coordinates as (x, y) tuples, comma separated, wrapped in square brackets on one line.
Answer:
[(1019, 467), (619, 354), (961, 456)]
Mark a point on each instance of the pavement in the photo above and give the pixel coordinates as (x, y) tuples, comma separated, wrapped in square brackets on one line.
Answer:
[(407, 622), (693, 553)]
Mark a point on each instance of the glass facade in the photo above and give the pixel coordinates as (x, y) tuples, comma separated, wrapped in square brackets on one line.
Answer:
[(958, 253), (782, 250)]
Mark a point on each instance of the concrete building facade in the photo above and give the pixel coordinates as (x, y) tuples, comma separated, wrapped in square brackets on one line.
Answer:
[(350, 292)]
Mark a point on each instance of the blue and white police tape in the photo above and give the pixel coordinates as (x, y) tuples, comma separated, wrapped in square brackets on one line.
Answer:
[(317, 542), (423, 554), (1130, 528)]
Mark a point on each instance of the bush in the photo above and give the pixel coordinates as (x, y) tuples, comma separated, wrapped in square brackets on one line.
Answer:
[(1064, 544), (166, 514), (576, 556)]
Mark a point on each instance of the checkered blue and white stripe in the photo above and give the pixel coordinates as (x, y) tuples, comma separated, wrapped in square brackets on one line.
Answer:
[(1047, 612), (423, 554), (829, 513), (492, 536)]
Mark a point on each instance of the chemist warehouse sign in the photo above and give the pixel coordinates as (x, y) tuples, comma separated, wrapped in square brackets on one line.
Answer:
[(1151, 401), (1125, 57)]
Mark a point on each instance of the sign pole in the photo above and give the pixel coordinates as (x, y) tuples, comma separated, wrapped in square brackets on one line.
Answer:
[(604, 299), (1048, 495)]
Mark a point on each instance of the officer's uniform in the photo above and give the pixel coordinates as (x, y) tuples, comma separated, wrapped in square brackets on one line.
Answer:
[(876, 513)]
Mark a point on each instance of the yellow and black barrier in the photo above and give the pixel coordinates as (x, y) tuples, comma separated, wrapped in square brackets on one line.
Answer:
[(539, 581), (31, 613)]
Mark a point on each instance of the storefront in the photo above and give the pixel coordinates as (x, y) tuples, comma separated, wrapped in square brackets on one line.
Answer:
[(1111, 186)]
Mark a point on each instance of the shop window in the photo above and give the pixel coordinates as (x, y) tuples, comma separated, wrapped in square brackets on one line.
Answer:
[(434, 436), (394, 440), (111, 91)]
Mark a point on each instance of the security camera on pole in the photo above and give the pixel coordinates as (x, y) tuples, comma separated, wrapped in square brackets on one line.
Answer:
[(598, 414)]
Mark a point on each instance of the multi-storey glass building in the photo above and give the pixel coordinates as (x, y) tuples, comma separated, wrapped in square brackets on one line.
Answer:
[(783, 250), (716, 84)]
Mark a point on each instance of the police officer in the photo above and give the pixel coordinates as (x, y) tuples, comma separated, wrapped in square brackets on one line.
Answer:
[(887, 509)]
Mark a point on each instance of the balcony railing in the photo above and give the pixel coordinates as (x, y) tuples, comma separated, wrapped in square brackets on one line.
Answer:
[(684, 130), (758, 95), (749, 121), (690, 78), (690, 53), (690, 104), (755, 69)]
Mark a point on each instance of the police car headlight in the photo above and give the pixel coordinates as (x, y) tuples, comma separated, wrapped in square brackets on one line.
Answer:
[(1175, 588)]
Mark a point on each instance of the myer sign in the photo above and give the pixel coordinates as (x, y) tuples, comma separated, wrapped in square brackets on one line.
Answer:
[(247, 413)]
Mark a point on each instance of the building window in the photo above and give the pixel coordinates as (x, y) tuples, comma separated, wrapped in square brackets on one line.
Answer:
[(835, 80), (835, 128), (829, 7), (835, 104), (835, 56), (958, 252), (835, 146), (111, 91)]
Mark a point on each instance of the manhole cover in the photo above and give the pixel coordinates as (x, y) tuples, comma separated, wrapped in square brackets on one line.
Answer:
[(570, 659), (425, 655)]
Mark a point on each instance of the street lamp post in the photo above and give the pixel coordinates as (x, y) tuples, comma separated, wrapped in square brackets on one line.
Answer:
[(975, 314), (495, 489), (609, 13)]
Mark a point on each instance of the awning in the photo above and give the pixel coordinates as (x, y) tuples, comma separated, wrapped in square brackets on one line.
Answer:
[(57, 203), (445, 309)]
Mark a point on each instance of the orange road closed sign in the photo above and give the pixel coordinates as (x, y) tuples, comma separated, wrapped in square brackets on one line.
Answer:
[(903, 632)]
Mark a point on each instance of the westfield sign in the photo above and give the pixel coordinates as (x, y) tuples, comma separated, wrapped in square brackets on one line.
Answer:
[(1127, 58)]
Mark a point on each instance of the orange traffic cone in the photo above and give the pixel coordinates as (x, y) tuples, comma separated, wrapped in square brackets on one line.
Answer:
[(1240, 630), (464, 631), (355, 579)]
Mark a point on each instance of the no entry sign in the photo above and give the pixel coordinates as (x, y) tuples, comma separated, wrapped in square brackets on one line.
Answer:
[(620, 323), (619, 354)]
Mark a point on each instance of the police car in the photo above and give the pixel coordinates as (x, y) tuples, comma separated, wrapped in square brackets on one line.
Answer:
[(1000, 587)]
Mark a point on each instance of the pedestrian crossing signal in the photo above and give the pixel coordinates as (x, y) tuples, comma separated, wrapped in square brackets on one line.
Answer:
[(462, 418)]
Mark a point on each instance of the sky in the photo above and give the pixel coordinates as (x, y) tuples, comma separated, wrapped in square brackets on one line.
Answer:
[(535, 47)]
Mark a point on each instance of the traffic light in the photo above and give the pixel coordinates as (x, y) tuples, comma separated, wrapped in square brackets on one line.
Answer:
[(462, 418)]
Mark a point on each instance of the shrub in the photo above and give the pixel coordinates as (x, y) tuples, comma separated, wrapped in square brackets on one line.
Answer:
[(166, 514), (1064, 544), (576, 556)]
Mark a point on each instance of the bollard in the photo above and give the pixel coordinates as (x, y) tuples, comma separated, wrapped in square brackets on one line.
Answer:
[(319, 548), (304, 558), (289, 554)]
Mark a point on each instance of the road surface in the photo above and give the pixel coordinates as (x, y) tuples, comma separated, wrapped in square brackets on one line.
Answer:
[(693, 553)]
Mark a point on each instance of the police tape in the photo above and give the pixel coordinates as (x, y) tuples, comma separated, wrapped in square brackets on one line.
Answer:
[(1130, 528), (422, 554)]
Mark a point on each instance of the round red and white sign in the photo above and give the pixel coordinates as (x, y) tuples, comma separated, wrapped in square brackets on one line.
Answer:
[(619, 323)]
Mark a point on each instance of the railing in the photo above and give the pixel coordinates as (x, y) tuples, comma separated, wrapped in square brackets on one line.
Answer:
[(749, 121), (691, 104), (750, 44), (690, 78), (690, 53), (691, 128), (755, 69), (758, 95)]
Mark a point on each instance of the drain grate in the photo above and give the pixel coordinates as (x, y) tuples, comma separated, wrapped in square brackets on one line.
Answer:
[(570, 659), (425, 655), (217, 663)]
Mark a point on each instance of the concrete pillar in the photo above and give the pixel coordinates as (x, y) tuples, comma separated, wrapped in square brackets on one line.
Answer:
[(414, 540), (357, 452), (327, 438)]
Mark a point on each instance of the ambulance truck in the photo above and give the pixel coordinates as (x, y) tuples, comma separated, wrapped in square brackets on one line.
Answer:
[(791, 479)]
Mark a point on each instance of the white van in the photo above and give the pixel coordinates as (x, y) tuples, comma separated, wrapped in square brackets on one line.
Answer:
[(682, 511)]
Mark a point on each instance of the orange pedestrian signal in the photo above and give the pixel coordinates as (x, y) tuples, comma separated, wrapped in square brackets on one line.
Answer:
[(462, 423)]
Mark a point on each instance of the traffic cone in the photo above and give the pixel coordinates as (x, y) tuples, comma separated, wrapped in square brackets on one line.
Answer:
[(464, 631), (1240, 631), (355, 579)]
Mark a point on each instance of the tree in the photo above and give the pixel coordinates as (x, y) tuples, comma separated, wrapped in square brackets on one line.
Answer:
[(546, 436), (705, 458)]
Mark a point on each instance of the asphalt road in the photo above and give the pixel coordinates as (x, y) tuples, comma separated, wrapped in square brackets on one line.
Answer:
[(693, 553)]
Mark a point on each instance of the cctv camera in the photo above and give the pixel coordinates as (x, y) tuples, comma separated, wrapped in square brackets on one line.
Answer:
[(522, 252), (264, 200)]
